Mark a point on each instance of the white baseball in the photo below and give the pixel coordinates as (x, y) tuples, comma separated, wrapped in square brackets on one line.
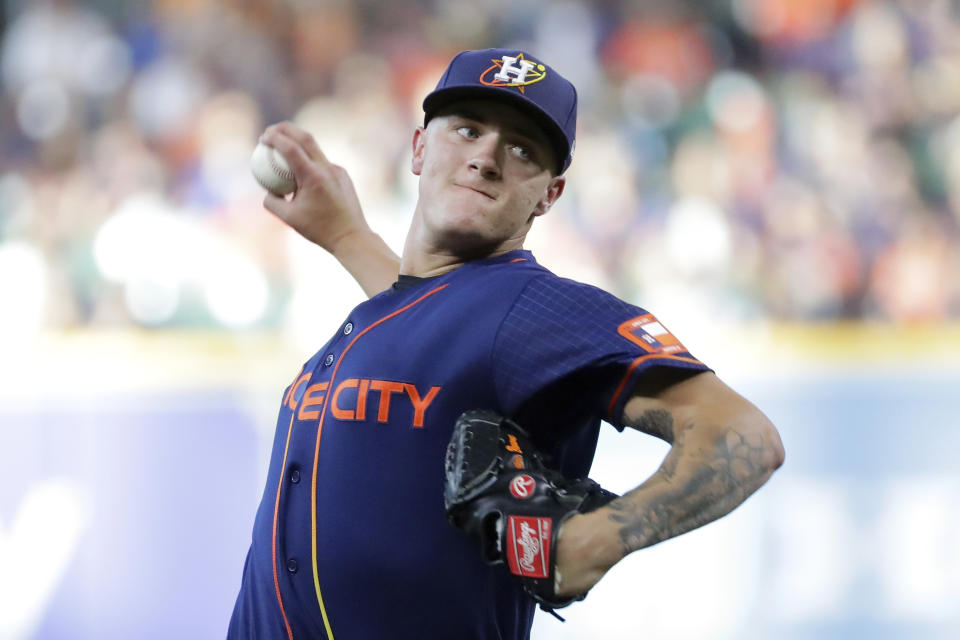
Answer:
[(272, 171)]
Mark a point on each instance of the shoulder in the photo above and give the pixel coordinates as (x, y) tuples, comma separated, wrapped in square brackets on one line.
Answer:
[(572, 299), (519, 271)]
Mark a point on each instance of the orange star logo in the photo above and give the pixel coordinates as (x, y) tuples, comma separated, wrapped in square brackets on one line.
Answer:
[(513, 72)]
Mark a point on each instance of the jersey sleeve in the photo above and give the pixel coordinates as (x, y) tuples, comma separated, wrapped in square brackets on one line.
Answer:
[(560, 330)]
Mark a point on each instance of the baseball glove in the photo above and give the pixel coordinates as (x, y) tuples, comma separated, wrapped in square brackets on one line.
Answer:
[(498, 488)]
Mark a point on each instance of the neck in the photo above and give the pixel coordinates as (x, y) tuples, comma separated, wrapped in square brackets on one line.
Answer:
[(425, 259), (425, 264)]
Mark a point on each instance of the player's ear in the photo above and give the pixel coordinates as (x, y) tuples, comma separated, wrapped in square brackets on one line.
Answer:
[(554, 191), (419, 140)]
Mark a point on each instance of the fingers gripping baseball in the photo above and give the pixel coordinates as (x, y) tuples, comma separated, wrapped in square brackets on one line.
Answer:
[(324, 208)]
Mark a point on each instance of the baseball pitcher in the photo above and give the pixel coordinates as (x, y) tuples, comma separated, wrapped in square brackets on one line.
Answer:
[(429, 472)]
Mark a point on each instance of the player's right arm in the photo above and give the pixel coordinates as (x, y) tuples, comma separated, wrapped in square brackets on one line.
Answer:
[(326, 211)]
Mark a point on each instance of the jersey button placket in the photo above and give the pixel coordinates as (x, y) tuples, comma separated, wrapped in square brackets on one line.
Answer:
[(348, 328), (328, 360)]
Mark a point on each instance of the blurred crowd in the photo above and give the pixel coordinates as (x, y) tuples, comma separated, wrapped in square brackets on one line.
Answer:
[(793, 160)]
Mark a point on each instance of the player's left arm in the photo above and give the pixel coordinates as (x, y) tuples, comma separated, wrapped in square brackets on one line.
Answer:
[(722, 450)]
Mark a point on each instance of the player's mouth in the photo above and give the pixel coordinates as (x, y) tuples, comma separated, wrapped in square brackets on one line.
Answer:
[(476, 190)]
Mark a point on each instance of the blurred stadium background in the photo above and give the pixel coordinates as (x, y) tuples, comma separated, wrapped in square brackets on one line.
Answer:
[(779, 180)]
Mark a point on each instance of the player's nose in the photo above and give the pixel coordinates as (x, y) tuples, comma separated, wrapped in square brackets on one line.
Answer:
[(485, 158)]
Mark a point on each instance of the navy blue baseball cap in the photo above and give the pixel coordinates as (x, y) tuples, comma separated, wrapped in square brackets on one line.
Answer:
[(518, 78)]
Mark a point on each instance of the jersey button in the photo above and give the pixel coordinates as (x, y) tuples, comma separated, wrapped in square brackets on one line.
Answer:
[(292, 565), (348, 328), (328, 360), (295, 476)]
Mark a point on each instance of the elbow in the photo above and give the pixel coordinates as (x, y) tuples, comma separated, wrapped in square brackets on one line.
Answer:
[(760, 451), (765, 457), (775, 452), (772, 453)]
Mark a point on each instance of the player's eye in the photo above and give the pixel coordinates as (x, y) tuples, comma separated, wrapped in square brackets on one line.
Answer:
[(521, 151), (468, 132)]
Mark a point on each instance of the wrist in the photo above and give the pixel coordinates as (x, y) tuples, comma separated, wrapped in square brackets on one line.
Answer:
[(588, 546), (345, 242), (596, 538), (366, 256)]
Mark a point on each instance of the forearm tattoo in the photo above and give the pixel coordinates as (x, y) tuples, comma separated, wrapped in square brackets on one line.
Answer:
[(692, 492)]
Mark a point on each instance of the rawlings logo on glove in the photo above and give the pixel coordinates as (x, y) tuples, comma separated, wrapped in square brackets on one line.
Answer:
[(528, 546), (498, 489), (522, 486)]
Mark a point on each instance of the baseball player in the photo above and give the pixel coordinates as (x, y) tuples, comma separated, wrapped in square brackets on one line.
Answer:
[(411, 447)]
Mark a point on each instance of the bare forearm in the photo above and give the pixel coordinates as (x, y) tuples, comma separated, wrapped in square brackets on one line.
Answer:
[(722, 450), (368, 259), (696, 484)]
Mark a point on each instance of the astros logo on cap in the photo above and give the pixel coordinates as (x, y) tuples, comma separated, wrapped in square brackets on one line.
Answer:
[(512, 71)]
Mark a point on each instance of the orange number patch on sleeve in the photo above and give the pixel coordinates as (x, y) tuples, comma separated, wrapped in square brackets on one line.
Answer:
[(647, 332)]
